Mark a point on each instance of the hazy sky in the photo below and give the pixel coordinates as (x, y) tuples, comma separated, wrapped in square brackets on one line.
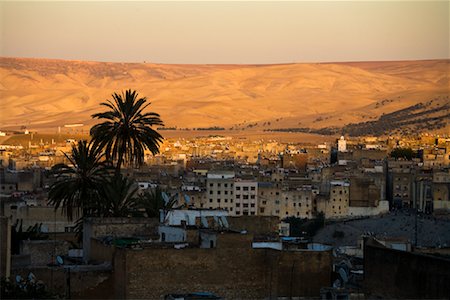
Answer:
[(226, 32)]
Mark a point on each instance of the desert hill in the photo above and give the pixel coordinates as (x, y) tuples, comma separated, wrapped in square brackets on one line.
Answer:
[(43, 94)]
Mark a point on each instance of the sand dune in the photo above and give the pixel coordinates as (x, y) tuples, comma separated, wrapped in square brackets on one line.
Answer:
[(43, 94)]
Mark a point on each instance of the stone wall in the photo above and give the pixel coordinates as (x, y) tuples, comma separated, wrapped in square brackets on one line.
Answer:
[(254, 224), (43, 252), (399, 274), (86, 282), (232, 273), (5, 246), (116, 227)]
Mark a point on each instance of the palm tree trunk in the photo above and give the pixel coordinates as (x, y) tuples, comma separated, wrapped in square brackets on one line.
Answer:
[(119, 164)]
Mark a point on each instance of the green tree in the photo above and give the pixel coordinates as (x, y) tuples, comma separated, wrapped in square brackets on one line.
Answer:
[(78, 184), (404, 153), (152, 201), (119, 197), (127, 130)]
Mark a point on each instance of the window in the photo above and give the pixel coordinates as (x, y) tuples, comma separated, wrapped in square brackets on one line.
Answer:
[(218, 192), (245, 196), (238, 212), (238, 188), (210, 200), (226, 192), (264, 202), (211, 184), (252, 205), (238, 196), (277, 211), (218, 185), (210, 192), (218, 200), (245, 205), (252, 188), (226, 200), (245, 188), (261, 210), (252, 213), (252, 196), (225, 184)]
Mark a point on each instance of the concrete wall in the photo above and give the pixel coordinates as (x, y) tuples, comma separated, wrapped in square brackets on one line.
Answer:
[(116, 227), (5, 247), (383, 207), (52, 221), (88, 282), (232, 273), (255, 224), (43, 252), (398, 274)]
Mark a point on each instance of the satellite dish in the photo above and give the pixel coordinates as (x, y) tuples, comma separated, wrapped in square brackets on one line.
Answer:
[(165, 197), (337, 284), (343, 275), (18, 278), (59, 260)]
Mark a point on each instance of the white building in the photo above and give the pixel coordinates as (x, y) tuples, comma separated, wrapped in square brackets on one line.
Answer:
[(219, 190), (246, 197), (342, 144)]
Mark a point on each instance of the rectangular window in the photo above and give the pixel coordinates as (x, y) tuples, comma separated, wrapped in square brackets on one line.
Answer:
[(245, 188), (252, 188)]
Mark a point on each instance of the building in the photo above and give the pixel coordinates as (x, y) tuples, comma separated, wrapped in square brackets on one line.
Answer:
[(245, 197), (342, 144), (220, 189)]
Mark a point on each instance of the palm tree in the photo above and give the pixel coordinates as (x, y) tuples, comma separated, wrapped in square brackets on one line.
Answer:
[(77, 185), (127, 131), (152, 201), (119, 196)]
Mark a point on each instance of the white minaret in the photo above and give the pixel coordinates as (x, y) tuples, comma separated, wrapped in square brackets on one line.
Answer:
[(342, 144)]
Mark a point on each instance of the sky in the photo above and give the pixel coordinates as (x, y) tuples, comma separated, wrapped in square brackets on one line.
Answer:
[(215, 32)]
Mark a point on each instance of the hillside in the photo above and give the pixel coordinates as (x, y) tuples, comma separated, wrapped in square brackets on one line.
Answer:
[(43, 94)]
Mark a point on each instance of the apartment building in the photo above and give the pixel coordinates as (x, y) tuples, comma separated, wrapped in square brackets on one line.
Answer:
[(219, 190), (246, 197)]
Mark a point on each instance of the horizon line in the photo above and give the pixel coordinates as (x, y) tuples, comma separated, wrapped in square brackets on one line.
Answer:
[(227, 64)]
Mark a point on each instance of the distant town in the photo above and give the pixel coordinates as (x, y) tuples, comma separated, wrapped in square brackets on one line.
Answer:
[(334, 203)]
